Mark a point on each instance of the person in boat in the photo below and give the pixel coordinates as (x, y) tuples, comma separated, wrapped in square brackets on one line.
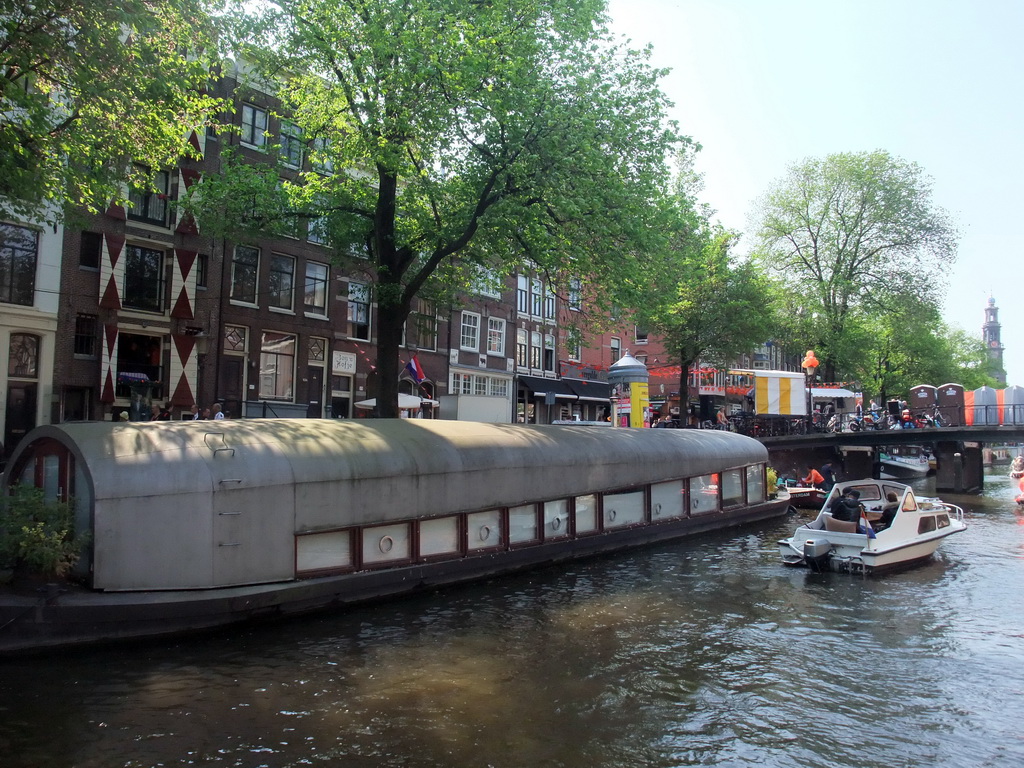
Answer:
[(846, 507), (889, 510), (814, 478), (1017, 467), (828, 476)]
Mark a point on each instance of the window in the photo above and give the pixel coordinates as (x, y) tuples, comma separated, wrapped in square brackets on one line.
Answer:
[(235, 339), (549, 304), (315, 294), (291, 145), (522, 295), (487, 283), (574, 345), (90, 250), (478, 384), (522, 348), (150, 206), (535, 350), (23, 357), (536, 297), (18, 247), (549, 353), (470, 337), (320, 158), (616, 349), (495, 336), (641, 335), (282, 280), (244, 270), (359, 311), (86, 333), (576, 294), (421, 326), (202, 270), (143, 278), (254, 125), (316, 230), (277, 365)]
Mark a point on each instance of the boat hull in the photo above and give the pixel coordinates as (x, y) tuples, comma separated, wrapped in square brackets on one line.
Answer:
[(62, 615), (909, 530)]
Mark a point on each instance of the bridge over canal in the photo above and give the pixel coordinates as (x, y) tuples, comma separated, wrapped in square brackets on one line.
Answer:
[(958, 451)]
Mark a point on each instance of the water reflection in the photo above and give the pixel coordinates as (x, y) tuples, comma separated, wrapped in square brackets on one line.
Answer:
[(705, 652)]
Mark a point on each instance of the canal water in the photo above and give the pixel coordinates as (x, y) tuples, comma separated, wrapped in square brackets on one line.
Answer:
[(706, 652)]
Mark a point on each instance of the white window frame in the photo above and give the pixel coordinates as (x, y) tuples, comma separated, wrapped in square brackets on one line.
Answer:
[(291, 144), (359, 299), (496, 336), (255, 122), (469, 333), (318, 286), (281, 298)]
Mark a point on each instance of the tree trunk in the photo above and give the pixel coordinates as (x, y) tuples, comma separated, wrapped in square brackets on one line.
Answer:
[(391, 321)]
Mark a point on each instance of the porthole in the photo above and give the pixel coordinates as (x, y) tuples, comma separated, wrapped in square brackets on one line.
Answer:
[(386, 544), (485, 532)]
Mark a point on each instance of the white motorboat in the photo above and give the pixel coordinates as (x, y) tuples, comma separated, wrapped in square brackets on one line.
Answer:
[(897, 528), (903, 462)]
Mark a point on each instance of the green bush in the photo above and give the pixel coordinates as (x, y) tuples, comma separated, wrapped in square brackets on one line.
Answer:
[(36, 534)]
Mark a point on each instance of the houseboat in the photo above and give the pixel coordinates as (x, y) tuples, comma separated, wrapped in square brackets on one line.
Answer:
[(193, 525)]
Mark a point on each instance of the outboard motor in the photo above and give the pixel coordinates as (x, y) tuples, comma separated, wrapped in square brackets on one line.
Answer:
[(818, 554)]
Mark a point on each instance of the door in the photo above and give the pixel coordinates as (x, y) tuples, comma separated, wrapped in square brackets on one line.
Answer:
[(315, 392)]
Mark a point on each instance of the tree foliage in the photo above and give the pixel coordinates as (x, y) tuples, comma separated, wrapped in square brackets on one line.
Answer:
[(706, 304), (92, 93), (853, 235), (460, 134)]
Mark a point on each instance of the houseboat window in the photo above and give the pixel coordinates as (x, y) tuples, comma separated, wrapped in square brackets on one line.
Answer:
[(586, 514), (439, 536), (323, 551), (755, 484), (910, 503), (732, 487), (703, 494), (668, 500), (48, 466), (942, 520), (556, 519), (386, 544), (483, 530), (926, 524), (522, 524), (624, 508)]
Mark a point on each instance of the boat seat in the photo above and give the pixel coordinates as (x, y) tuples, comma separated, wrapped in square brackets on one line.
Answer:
[(839, 526)]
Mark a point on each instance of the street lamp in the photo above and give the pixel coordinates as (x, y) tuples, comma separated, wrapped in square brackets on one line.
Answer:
[(809, 363)]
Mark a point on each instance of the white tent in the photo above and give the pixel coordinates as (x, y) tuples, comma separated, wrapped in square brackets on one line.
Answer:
[(405, 402)]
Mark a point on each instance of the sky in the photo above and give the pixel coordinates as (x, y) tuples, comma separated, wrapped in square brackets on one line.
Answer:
[(764, 84)]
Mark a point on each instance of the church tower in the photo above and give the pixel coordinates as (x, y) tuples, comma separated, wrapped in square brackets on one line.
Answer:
[(990, 335)]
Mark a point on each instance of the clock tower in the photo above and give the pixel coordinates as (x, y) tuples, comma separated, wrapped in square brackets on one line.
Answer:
[(990, 335)]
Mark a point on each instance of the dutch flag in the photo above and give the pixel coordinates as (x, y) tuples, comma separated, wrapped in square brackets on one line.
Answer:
[(415, 370)]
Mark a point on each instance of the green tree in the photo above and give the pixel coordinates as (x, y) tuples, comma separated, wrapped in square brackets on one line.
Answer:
[(461, 135), (93, 94), (853, 234), (912, 346), (707, 305), (720, 309)]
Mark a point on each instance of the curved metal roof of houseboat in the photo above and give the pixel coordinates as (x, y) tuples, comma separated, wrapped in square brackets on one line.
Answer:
[(401, 462)]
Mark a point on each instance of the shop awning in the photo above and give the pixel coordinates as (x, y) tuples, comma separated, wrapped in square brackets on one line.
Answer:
[(589, 391), (828, 393), (540, 387)]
